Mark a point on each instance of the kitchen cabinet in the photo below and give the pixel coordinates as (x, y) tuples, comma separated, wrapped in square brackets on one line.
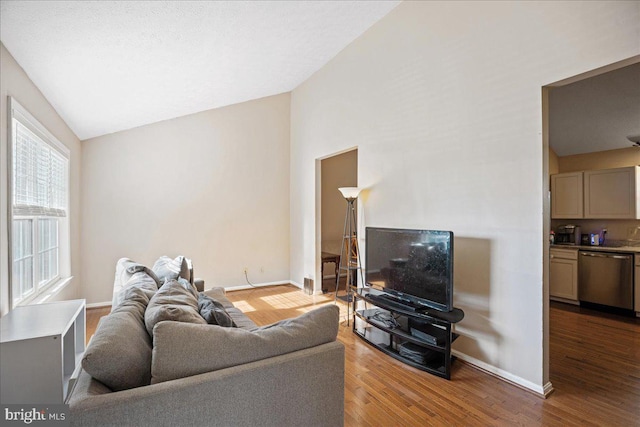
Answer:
[(636, 305), (563, 275), (612, 193), (567, 195)]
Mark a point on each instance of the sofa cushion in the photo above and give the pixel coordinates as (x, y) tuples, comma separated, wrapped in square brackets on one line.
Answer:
[(140, 280), (240, 319), (119, 355), (125, 270), (133, 268), (171, 269), (219, 295), (213, 312), (175, 300), (183, 349)]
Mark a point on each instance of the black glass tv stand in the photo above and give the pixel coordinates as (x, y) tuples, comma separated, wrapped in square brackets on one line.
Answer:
[(393, 301), (416, 335)]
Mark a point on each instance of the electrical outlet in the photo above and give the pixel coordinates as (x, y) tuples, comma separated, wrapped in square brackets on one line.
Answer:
[(245, 270)]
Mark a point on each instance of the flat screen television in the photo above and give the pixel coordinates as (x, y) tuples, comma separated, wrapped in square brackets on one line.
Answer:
[(414, 265)]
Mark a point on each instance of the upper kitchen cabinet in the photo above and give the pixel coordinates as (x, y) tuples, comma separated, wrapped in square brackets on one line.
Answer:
[(612, 193), (566, 195)]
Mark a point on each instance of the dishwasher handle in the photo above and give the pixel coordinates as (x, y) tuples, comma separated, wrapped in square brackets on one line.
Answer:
[(591, 254)]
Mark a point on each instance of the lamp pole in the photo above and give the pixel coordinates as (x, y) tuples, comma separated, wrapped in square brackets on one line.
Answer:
[(349, 261)]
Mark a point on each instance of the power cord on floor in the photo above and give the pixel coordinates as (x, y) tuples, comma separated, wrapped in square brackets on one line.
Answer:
[(246, 276)]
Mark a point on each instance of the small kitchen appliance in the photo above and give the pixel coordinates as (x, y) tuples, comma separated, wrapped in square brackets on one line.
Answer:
[(568, 235)]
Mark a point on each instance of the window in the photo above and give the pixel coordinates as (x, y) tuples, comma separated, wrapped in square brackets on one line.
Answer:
[(39, 193)]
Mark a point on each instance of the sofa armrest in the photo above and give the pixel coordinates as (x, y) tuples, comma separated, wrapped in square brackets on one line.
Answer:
[(305, 387)]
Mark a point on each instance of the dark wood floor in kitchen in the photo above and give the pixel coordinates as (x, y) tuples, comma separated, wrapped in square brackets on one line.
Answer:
[(594, 362)]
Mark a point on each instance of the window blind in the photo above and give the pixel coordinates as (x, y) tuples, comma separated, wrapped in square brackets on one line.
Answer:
[(40, 175)]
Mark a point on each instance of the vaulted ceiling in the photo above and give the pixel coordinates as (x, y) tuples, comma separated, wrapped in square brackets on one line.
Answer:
[(112, 65)]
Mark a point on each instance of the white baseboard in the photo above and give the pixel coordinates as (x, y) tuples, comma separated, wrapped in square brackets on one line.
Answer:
[(565, 300), (231, 288), (259, 285), (99, 304), (540, 391)]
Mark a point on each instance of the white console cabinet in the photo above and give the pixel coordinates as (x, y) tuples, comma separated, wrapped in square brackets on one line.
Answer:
[(40, 346)]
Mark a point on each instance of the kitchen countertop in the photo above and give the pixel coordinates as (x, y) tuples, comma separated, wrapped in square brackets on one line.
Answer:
[(625, 249)]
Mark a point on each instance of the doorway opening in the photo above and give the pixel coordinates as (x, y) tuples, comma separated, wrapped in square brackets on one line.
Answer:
[(334, 171), (578, 103)]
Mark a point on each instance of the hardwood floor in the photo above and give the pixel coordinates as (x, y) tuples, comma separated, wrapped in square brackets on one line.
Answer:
[(594, 360)]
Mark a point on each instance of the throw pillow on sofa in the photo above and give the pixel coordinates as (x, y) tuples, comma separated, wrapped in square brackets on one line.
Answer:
[(183, 349), (175, 300), (125, 270), (140, 280), (213, 312), (171, 269), (119, 355)]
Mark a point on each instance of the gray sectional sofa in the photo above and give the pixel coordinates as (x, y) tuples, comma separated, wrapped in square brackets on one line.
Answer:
[(193, 372)]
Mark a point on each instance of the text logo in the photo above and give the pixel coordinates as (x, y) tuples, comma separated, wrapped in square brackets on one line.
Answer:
[(35, 415)]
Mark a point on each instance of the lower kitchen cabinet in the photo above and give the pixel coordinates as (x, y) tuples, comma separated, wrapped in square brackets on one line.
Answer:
[(636, 305), (563, 275)]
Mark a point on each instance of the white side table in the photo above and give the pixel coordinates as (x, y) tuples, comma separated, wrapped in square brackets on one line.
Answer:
[(40, 346)]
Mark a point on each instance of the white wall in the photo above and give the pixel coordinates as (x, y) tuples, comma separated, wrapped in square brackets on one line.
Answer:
[(443, 101), (212, 186), (15, 82)]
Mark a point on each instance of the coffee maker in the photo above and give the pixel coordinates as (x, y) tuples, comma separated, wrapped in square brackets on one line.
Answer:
[(568, 235)]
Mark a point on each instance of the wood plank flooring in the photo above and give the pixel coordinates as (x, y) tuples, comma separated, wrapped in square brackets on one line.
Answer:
[(594, 362)]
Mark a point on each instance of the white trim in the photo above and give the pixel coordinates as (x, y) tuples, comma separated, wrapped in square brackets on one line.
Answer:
[(99, 304), (21, 114), (548, 389), (230, 288), (540, 391), (16, 111), (564, 300), (260, 285), (296, 284), (49, 292)]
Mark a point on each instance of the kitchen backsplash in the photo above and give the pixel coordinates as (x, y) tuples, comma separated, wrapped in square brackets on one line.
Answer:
[(617, 229)]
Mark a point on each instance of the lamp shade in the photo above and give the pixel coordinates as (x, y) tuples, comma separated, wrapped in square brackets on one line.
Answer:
[(349, 192)]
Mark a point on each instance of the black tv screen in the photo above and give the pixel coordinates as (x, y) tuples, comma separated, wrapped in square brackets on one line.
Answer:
[(415, 265)]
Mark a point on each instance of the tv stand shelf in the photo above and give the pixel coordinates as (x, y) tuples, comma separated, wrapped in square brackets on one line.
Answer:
[(421, 339)]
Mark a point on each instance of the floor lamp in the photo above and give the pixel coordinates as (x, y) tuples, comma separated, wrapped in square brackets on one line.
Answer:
[(349, 252)]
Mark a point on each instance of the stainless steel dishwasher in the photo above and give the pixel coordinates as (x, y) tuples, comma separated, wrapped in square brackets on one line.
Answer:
[(606, 278)]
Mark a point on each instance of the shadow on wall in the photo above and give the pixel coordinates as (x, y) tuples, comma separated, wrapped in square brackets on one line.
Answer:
[(472, 294)]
